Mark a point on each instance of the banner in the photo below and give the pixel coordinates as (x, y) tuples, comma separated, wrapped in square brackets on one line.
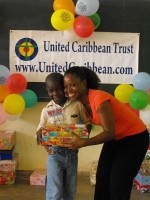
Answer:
[(113, 56)]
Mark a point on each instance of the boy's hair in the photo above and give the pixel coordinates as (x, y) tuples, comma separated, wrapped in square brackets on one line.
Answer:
[(84, 73), (55, 77)]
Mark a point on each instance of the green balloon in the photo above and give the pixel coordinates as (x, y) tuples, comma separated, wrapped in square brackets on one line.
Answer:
[(138, 100), (96, 20), (30, 98)]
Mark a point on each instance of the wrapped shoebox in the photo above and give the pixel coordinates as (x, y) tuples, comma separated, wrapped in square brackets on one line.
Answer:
[(7, 154), (7, 177), (142, 179), (58, 134), (38, 177), (142, 188), (9, 165), (145, 166), (7, 140), (93, 172)]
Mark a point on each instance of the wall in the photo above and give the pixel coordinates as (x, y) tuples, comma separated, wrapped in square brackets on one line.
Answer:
[(31, 155)]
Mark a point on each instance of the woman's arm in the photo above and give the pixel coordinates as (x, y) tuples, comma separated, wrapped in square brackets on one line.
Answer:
[(108, 125)]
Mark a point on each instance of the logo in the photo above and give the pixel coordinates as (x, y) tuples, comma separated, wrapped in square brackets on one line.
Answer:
[(26, 49)]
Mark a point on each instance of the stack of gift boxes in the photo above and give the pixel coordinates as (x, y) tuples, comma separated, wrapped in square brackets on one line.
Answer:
[(142, 179), (8, 159)]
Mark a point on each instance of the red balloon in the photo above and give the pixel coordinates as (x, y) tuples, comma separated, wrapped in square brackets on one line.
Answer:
[(16, 83), (83, 26), (133, 110)]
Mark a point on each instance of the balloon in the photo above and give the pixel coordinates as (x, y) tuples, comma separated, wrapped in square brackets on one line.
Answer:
[(16, 83), (69, 35), (148, 93), (141, 81), (138, 100), (64, 4), (14, 104), (83, 26), (3, 114), (145, 115), (30, 98), (3, 92), (123, 91), (86, 7), (4, 73), (62, 19), (96, 20), (133, 110), (13, 117)]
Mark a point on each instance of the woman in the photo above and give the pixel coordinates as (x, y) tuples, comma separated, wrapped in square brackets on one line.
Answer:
[(124, 135)]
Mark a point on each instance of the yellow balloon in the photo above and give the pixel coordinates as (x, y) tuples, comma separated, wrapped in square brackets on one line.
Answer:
[(123, 91), (62, 19), (14, 104)]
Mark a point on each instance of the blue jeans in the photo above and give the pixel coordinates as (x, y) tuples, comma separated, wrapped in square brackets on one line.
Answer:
[(62, 174)]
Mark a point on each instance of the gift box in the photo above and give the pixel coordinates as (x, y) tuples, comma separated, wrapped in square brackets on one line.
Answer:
[(7, 154), (58, 134), (142, 179), (9, 165), (93, 172), (7, 178), (7, 140), (38, 177), (142, 188)]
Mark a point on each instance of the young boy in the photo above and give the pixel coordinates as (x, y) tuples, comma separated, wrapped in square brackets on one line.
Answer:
[(62, 162)]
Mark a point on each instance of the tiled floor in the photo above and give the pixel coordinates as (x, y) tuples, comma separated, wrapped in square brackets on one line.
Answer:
[(22, 190)]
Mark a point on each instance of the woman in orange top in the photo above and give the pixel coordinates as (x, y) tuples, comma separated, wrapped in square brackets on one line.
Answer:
[(124, 135)]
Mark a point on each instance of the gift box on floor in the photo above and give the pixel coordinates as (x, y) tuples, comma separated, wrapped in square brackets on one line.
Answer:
[(93, 172), (7, 140), (9, 165), (58, 134), (7, 178), (142, 179), (7, 154), (38, 177), (142, 188)]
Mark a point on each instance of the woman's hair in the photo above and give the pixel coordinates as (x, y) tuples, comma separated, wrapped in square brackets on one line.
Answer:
[(84, 73)]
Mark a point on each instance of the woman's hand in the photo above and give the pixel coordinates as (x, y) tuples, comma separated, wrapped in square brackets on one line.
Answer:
[(49, 149), (76, 143)]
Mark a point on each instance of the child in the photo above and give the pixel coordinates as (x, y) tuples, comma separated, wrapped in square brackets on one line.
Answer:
[(62, 162)]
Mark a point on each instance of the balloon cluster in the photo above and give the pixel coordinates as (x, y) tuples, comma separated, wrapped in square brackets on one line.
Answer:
[(136, 96), (80, 20), (14, 97)]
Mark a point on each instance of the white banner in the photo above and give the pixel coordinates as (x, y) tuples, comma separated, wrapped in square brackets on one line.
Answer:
[(113, 56)]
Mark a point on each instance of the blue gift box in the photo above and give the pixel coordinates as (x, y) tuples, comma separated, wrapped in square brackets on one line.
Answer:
[(141, 179), (7, 154)]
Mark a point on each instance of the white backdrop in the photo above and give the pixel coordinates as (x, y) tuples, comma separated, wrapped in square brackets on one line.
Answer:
[(113, 56)]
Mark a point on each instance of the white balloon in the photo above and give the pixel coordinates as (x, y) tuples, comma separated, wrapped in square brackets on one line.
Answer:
[(86, 7), (144, 115), (69, 35), (13, 117), (4, 74)]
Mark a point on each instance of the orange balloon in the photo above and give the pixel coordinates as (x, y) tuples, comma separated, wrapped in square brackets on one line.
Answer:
[(4, 92), (64, 4)]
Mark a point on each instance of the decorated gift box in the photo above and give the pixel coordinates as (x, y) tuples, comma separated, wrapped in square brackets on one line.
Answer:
[(7, 177), (142, 188), (9, 165), (7, 140), (93, 172), (58, 134), (38, 177), (142, 179)]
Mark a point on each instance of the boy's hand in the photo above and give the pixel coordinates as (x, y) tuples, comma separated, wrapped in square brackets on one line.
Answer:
[(39, 136), (48, 149)]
